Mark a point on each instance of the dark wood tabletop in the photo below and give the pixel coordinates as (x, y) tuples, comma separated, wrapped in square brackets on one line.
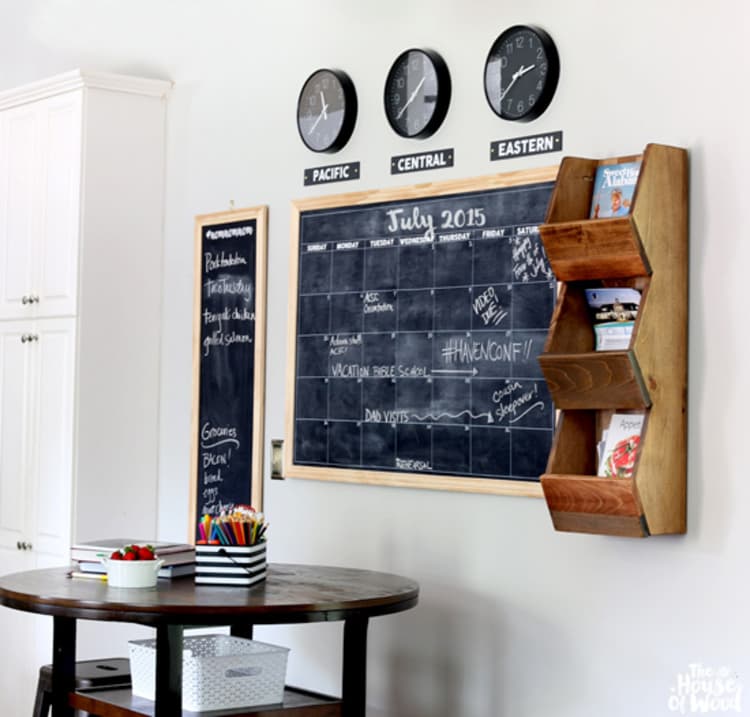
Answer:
[(290, 594)]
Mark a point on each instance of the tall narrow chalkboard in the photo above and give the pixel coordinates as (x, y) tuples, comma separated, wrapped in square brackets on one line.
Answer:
[(417, 315), (228, 361)]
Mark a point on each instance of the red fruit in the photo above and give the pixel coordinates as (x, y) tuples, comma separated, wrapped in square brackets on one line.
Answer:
[(145, 554), (117, 555), (130, 555), (134, 548)]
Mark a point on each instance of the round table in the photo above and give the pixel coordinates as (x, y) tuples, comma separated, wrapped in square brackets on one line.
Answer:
[(290, 594)]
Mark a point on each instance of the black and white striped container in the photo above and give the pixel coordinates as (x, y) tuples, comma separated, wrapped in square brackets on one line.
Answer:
[(240, 565)]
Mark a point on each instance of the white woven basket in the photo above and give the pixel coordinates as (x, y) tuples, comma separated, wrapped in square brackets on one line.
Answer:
[(218, 672)]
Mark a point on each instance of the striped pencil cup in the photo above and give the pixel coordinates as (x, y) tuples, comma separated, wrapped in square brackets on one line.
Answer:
[(240, 565)]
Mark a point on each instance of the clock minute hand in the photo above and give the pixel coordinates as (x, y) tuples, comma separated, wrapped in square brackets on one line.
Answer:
[(411, 98), (520, 72), (325, 106), (315, 124)]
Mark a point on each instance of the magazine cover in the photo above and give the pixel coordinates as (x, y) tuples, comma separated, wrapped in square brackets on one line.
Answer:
[(614, 185), (621, 445), (613, 314)]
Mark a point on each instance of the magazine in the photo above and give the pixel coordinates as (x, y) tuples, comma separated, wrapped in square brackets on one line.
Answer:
[(613, 314), (621, 443), (614, 185)]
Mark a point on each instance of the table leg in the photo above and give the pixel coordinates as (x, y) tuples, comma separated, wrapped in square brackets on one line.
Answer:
[(168, 702), (354, 680), (63, 665), (245, 631)]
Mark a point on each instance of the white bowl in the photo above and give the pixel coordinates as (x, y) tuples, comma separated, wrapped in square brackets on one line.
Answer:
[(132, 573)]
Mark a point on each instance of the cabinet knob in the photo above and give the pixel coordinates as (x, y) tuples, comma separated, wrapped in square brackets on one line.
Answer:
[(33, 337), (33, 299), (25, 300), (23, 545), (24, 338)]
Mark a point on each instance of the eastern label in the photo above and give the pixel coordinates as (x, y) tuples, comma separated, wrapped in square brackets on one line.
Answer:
[(525, 146)]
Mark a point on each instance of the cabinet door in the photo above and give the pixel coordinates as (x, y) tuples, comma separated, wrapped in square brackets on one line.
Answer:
[(51, 468), (19, 209), (56, 252), (16, 406)]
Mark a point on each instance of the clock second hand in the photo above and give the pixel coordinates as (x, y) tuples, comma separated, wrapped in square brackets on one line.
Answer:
[(411, 98), (518, 73)]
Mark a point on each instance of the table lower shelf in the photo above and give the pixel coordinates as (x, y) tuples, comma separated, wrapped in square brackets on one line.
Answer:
[(123, 703)]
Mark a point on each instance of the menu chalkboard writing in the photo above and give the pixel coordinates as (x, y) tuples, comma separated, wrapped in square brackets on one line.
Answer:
[(229, 361), (417, 318)]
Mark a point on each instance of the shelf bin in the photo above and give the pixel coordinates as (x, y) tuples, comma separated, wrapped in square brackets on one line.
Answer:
[(578, 499)]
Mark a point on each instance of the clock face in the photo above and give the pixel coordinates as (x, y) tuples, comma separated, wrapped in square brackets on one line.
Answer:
[(417, 93), (521, 72), (326, 110)]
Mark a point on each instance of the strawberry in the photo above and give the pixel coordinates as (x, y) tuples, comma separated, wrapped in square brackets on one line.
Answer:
[(145, 553), (130, 555), (116, 555)]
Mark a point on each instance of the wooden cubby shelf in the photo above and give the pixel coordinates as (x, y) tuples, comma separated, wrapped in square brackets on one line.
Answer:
[(647, 250)]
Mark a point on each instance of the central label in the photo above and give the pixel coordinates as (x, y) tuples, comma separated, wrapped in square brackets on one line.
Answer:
[(437, 159)]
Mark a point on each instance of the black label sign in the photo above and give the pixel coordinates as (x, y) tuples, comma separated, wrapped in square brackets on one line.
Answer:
[(525, 146), (437, 159), (332, 173)]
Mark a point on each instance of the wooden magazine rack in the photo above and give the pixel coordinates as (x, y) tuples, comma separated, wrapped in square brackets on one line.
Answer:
[(647, 250)]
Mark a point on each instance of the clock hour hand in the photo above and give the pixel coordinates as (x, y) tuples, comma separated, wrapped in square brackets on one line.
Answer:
[(520, 72), (412, 96)]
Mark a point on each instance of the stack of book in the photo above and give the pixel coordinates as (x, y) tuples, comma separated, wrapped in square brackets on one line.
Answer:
[(179, 558)]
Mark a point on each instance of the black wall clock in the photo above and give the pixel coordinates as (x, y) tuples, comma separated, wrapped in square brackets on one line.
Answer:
[(326, 110), (521, 73), (417, 93)]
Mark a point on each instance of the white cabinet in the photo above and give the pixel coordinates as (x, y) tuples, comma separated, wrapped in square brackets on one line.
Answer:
[(36, 440), (81, 215), (40, 182)]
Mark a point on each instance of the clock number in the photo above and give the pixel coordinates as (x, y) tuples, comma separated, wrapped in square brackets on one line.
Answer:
[(520, 41), (539, 54)]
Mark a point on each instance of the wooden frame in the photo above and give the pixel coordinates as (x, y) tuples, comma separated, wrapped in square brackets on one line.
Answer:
[(383, 477), (259, 215)]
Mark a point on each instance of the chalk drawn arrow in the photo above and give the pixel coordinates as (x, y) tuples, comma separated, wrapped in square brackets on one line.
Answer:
[(437, 417), (461, 371)]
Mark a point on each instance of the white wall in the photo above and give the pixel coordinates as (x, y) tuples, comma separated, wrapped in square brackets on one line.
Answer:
[(514, 619)]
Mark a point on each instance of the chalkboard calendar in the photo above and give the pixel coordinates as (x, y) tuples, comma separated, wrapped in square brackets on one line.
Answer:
[(417, 315), (229, 361)]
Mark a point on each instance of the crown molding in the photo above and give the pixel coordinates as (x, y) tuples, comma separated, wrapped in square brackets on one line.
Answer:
[(80, 79)]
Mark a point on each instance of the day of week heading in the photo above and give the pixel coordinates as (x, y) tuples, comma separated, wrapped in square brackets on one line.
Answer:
[(347, 245), (459, 236), (320, 246), (406, 241), (382, 242)]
